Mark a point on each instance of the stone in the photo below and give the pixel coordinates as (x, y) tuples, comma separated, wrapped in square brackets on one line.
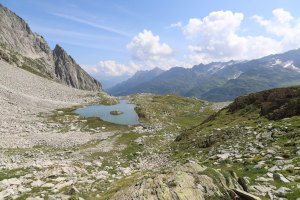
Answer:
[(282, 191), (280, 177), (223, 156), (35, 198), (102, 175), (4, 184), (261, 188), (271, 151), (62, 185), (289, 143), (73, 191), (279, 163), (14, 181), (88, 164), (97, 163), (245, 195), (243, 182), (285, 167), (6, 193), (259, 166), (48, 185), (273, 169), (262, 179), (199, 186), (126, 171), (37, 183), (278, 158)]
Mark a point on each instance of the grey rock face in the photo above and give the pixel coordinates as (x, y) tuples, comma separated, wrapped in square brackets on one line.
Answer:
[(189, 181), (70, 73), (15, 33), (28, 50)]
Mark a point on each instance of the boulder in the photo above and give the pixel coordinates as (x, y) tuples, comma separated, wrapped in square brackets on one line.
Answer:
[(245, 195)]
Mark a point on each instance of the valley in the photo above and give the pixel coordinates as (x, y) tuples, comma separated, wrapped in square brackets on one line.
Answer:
[(242, 142), (49, 152)]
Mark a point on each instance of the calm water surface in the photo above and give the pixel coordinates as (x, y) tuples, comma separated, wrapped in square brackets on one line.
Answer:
[(129, 116)]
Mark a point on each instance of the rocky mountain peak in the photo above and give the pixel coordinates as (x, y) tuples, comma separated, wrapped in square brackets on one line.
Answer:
[(60, 53), (16, 33), (28, 50), (58, 49), (70, 73)]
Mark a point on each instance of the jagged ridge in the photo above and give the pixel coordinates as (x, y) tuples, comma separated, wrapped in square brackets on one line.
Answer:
[(28, 50)]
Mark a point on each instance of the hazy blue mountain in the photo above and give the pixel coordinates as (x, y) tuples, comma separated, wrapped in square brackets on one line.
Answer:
[(220, 81), (138, 78), (108, 81)]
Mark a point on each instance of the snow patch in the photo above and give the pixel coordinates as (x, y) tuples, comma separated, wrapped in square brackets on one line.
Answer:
[(236, 75), (287, 65)]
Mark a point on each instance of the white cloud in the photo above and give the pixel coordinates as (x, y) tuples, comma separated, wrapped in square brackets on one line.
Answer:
[(178, 24), (90, 69), (112, 68), (282, 26), (146, 47), (216, 23), (219, 39), (260, 46)]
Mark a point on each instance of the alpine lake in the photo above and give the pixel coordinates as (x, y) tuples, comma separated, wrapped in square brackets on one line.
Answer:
[(126, 114)]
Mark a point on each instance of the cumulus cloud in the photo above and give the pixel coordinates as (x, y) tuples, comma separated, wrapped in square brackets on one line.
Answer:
[(282, 26), (260, 46), (219, 39), (218, 23), (112, 68), (146, 47)]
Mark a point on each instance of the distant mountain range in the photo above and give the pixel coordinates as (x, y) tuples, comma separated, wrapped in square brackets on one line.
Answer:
[(217, 81), (140, 77), (23, 48)]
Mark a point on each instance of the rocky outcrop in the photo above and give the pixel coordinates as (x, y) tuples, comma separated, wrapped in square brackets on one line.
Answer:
[(189, 182), (21, 47), (70, 73), (274, 104), (16, 34)]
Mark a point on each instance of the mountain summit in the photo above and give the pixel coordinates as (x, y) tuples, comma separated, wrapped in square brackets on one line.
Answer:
[(70, 73), (21, 47)]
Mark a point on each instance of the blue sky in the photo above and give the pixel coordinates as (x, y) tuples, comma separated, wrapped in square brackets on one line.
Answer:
[(117, 38)]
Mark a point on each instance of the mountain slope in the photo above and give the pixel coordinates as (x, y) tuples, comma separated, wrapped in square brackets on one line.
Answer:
[(223, 81), (70, 73), (138, 78), (21, 47), (176, 80), (257, 136)]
